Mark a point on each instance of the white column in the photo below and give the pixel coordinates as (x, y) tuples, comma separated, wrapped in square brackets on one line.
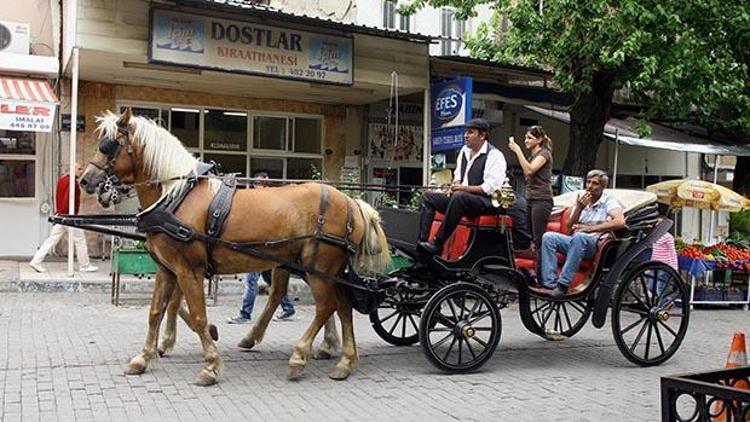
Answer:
[(427, 142), (72, 169)]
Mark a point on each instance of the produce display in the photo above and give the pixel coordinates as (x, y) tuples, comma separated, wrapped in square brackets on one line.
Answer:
[(726, 256)]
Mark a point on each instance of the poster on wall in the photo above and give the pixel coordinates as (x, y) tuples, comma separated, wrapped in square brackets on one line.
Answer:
[(245, 47), (384, 146)]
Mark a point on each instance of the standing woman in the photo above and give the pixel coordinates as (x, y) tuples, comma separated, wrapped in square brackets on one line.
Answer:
[(538, 171)]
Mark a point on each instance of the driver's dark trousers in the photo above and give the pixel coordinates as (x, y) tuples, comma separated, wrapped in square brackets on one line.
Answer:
[(454, 207)]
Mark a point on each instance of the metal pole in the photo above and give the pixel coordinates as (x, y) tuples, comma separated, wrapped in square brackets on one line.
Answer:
[(427, 141), (72, 168), (717, 162), (617, 155)]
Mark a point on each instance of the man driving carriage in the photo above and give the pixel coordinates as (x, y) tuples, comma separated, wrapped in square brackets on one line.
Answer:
[(594, 214), (480, 170)]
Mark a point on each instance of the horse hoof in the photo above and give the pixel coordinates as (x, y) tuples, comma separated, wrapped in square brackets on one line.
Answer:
[(339, 374), (294, 372), (213, 332), (246, 343), (321, 354), (206, 378), (137, 366)]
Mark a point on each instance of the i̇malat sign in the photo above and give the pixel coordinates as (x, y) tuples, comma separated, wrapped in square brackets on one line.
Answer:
[(243, 47)]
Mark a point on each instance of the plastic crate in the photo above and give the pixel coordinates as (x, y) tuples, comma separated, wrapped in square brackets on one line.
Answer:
[(133, 261)]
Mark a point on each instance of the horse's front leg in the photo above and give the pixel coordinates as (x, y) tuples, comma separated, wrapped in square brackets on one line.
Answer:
[(349, 357), (278, 287), (330, 342), (190, 281), (174, 308), (164, 285), (325, 304)]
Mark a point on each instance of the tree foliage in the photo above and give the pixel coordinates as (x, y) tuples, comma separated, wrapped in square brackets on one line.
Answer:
[(682, 60)]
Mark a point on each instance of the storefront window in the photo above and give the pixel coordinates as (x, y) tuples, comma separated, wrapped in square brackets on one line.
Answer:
[(303, 168), (17, 178), (273, 166), (225, 130), (307, 135), (229, 163), (269, 132), (185, 125), (12, 142)]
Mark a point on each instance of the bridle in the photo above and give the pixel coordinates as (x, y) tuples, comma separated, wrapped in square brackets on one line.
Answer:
[(111, 146)]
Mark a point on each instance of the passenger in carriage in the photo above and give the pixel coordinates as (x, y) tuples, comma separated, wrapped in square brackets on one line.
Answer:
[(480, 170), (594, 214), (537, 171)]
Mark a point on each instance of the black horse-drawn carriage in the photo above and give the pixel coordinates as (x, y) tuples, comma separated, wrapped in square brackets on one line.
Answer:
[(450, 304)]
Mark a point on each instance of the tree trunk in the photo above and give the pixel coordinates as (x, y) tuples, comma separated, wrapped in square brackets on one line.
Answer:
[(588, 115), (741, 183)]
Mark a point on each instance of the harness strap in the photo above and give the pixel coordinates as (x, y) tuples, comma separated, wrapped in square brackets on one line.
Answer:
[(324, 194), (218, 212)]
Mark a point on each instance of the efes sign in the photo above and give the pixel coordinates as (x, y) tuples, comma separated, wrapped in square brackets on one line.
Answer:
[(450, 110), (451, 103), (244, 47)]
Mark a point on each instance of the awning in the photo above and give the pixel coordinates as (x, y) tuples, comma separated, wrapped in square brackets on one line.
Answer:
[(662, 137), (27, 105)]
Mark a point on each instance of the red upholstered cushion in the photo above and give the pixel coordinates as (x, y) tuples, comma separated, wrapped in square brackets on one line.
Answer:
[(482, 220), (564, 219)]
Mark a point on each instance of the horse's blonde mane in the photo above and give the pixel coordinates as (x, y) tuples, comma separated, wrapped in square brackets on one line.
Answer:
[(163, 154)]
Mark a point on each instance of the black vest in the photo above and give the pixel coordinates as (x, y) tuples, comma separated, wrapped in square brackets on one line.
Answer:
[(476, 173)]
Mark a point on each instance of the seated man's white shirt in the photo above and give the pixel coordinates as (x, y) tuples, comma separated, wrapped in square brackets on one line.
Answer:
[(494, 168), (599, 212)]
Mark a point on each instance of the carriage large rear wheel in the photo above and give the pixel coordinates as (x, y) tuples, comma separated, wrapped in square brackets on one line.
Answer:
[(650, 314), (460, 328), (559, 318), (396, 320)]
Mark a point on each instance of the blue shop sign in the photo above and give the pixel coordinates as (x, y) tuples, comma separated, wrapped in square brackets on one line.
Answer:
[(450, 110), (451, 103)]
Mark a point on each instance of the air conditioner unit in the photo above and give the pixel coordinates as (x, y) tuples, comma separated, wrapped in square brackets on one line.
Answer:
[(14, 37)]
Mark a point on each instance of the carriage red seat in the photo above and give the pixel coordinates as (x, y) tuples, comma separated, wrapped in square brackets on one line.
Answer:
[(559, 223), (458, 243)]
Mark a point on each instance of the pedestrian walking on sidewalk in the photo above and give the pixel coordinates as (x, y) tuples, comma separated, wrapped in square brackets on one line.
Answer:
[(248, 300), (62, 197)]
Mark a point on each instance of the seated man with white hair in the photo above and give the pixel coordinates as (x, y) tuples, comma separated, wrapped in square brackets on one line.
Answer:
[(594, 214)]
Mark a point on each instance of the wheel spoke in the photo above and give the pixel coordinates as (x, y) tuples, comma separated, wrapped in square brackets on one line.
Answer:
[(638, 337), (480, 341), (648, 339), (658, 338), (480, 316), (668, 328), (637, 298), (541, 308), (413, 323), (388, 317), (442, 340), (558, 321), (460, 342), (631, 326), (645, 291), (578, 307), (474, 309), (453, 342), (395, 324), (634, 311), (453, 310), (567, 317), (463, 309), (546, 317), (403, 328), (471, 350)]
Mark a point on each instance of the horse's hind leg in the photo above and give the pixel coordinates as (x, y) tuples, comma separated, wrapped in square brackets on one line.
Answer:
[(190, 281), (349, 357), (330, 342), (169, 336), (278, 290), (164, 285), (324, 293)]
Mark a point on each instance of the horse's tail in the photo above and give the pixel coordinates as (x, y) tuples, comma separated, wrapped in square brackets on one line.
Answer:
[(373, 256)]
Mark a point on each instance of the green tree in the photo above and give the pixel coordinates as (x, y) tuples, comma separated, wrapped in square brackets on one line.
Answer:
[(682, 60)]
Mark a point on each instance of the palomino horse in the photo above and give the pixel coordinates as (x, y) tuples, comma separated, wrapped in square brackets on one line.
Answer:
[(150, 159)]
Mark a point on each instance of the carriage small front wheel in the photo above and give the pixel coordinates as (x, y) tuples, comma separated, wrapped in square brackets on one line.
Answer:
[(650, 314), (460, 328), (396, 320)]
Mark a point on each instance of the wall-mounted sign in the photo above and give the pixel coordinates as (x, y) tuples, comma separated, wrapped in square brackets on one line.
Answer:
[(26, 116), (244, 47), (80, 123), (449, 111)]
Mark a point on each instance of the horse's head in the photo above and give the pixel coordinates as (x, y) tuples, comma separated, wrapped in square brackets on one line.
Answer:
[(114, 162)]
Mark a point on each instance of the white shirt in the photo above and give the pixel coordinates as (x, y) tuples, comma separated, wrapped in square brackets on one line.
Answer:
[(494, 168)]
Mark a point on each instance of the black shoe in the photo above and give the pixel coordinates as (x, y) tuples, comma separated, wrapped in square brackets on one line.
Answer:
[(429, 247), (559, 291)]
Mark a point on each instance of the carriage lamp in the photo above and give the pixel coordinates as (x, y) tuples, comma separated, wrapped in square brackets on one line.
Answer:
[(503, 197)]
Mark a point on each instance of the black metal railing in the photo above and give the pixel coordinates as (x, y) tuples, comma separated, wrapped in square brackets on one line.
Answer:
[(722, 395)]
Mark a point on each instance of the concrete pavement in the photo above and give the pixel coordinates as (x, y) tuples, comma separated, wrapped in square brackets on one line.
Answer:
[(62, 358)]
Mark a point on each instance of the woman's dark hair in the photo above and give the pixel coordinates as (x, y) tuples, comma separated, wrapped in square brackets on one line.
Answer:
[(539, 133)]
